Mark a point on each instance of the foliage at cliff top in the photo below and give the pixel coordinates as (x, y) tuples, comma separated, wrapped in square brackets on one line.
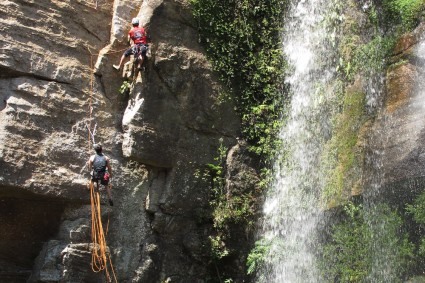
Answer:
[(242, 38)]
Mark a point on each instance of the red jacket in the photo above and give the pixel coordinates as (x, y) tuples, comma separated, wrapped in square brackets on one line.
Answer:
[(138, 35)]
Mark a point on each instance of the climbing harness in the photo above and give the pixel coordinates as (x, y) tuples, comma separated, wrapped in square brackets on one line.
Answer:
[(133, 68), (139, 59)]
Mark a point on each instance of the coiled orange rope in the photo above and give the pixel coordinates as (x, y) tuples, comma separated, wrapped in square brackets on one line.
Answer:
[(101, 256)]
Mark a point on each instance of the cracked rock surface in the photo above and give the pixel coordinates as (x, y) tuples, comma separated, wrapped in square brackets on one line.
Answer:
[(174, 124)]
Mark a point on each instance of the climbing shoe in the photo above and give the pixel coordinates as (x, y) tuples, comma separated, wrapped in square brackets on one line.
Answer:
[(116, 67), (111, 203)]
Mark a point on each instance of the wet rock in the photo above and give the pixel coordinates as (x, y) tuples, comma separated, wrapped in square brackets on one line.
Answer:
[(397, 135)]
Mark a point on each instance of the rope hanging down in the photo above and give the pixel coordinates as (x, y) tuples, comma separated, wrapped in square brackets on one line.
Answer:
[(101, 255)]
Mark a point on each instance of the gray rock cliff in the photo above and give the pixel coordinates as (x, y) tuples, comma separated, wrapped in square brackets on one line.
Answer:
[(157, 136)]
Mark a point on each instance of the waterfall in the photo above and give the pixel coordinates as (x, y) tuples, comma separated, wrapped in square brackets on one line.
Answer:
[(382, 130), (292, 208)]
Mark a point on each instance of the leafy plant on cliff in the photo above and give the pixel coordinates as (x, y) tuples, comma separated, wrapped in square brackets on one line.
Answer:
[(242, 38), (417, 209), (403, 13), (372, 56), (229, 207), (125, 87), (350, 254), (257, 256), (226, 208), (346, 256), (265, 251)]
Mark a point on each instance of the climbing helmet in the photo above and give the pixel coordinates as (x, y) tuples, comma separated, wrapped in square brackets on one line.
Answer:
[(135, 21)]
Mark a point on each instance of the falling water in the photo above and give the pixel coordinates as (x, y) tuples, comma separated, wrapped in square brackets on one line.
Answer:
[(292, 212)]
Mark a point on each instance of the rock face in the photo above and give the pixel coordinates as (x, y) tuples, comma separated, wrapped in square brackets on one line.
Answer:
[(157, 137), (397, 136)]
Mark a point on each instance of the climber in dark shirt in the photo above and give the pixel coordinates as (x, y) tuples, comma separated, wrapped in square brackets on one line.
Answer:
[(98, 163)]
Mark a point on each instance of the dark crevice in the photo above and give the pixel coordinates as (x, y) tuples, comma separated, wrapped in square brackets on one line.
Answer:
[(88, 31), (9, 73), (3, 103), (101, 84), (162, 79), (27, 221)]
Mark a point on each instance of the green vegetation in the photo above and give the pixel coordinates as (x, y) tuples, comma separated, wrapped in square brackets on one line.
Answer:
[(346, 255), (242, 39), (125, 87), (403, 14), (373, 235), (243, 42), (342, 155), (365, 235), (359, 57), (417, 209), (372, 56), (218, 247), (228, 207), (256, 257), (355, 242), (259, 257)]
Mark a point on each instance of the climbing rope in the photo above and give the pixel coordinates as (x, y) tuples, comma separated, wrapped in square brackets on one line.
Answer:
[(101, 256)]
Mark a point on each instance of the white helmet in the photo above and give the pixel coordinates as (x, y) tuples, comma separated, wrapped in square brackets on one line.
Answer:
[(135, 21)]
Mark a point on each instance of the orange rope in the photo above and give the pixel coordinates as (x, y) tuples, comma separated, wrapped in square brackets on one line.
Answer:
[(100, 256)]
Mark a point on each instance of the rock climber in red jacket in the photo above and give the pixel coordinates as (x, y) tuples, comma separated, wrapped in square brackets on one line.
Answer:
[(139, 43)]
